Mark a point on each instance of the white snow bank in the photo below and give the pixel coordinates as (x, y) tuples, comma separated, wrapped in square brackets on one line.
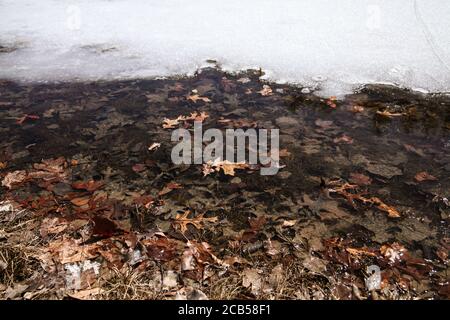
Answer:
[(338, 43)]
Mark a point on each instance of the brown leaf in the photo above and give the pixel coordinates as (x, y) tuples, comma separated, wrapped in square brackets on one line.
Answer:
[(52, 226), (226, 166), (169, 187), (104, 227), (266, 90), (392, 212), (324, 124), (138, 167), (196, 97), (170, 123), (85, 294), (361, 252), (182, 220), (387, 114), (424, 176), (154, 146), (344, 139), (160, 248), (360, 179), (80, 202), (394, 252), (15, 177), (69, 251), (90, 185)]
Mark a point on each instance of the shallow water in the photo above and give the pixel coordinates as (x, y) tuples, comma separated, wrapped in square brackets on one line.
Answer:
[(103, 131)]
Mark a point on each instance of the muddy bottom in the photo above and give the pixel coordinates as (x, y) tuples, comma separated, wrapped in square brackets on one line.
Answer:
[(93, 207)]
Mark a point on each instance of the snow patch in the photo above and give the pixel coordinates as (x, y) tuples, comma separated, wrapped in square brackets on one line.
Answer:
[(333, 45)]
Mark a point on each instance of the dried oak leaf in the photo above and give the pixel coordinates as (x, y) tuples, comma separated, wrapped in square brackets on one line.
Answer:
[(226, 166), (182, 220), (196, 97), (171, 123)]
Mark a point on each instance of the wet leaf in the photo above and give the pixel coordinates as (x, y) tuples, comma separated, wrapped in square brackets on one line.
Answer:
[(104, 227), (226, 166), (182, 220), (360, 179), (265, 91), (90, 185), (394, 252), (15, 177), (343, 139), (160, 248), (154, 146), (169, 187), (424, 176), (139, 167), (194, 96), (80, 202)]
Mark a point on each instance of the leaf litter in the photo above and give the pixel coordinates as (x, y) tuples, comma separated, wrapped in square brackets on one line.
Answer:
[(91, 206)]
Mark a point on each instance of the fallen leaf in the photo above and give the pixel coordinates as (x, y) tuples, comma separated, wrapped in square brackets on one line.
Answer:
[(52, 226), (80, 202), (104, 227), (169, 187), (3, 165), (15, 177), (91, 185), (85, 294), (392, 212), (182, 220), (387, 114), (195, 97), (331, 102), (154, 146), (243, 80), (424, 176), (357, 109), (251, 279), (344, 138), (170, 123), (160, 248), (227, 166), (288, 223), (266, 90), (394, 252), (21, 120), (360, 252), (138, 167), (360, 179), (69, 251), (324, 124)]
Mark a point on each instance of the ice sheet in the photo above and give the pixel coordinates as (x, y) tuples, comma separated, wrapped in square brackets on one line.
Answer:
[(336, 44)]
